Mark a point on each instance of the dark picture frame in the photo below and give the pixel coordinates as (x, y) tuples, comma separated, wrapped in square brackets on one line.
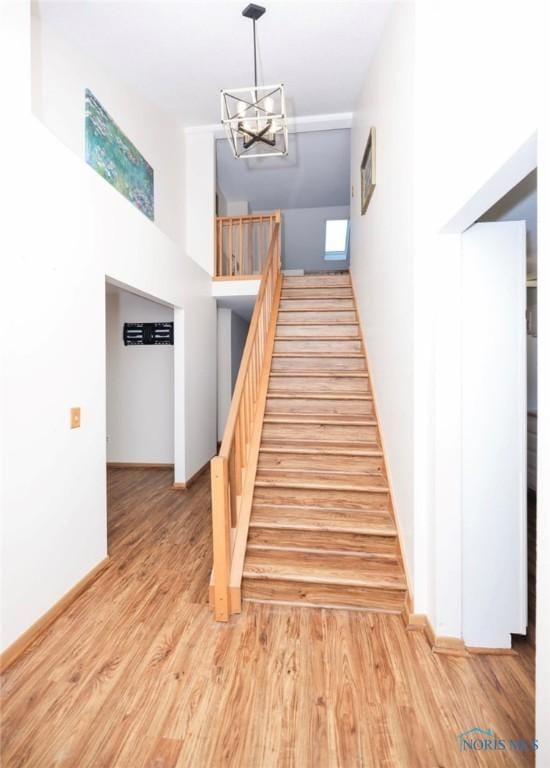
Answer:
[(368, 171)]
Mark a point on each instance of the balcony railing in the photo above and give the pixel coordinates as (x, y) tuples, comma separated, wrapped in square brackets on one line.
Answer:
[(242, 245)]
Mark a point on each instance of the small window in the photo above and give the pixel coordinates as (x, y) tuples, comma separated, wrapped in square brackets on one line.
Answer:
[(336, 239)]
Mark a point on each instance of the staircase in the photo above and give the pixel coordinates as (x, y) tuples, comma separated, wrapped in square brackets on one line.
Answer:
[(322, 530)]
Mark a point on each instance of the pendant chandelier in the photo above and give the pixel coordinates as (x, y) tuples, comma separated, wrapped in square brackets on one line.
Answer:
[(254, 118)]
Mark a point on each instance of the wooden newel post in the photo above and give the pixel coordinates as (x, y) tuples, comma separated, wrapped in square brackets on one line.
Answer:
[(221, 534)]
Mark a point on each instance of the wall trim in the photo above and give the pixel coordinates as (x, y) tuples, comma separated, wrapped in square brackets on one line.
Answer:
[(137, 465), (448, 646), (19, 646), (188, 483)]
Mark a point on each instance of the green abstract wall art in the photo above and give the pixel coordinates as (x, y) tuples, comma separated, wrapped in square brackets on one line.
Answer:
[(115, 158)]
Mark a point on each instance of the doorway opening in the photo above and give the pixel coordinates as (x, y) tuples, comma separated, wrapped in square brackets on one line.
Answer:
[(139, 390), (520, 204)]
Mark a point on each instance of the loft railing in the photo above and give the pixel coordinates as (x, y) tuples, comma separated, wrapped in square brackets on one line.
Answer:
[(242, 244), (233, 470)]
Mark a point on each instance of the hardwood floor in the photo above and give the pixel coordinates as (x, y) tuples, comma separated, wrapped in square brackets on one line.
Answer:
[(136, 673)]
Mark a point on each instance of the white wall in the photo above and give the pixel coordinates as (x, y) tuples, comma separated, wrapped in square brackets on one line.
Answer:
[(448, 125), (61, 73), (140, 384), (303, 238), (200, 196), (382, 251), (67, 230)]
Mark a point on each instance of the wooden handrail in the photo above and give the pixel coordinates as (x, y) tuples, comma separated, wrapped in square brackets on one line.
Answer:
[(242, 244), (233, 470)]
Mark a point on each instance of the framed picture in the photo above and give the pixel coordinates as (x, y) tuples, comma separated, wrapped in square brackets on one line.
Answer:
[(368, 171)]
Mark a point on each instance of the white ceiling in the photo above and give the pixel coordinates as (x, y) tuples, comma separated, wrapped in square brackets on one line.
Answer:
[(316, 173), (180, 54)]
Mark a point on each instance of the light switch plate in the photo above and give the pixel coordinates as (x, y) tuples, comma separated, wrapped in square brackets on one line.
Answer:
[(75, 418)]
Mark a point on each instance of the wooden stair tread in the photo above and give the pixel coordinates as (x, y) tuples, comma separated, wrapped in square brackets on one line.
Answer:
[(313, 475), (316, 396), (299, 539), (316, 322), (344, 570), (308, 485), (292, 443), (309, 372), (305, 310), (329, 499), (313, 296), (321, 418), (313, 479), (322, 355), (317, 303), (311, 450), (317, 282), (299, 395), (278, 394), (305, 339), (372, 522), (297, 550)]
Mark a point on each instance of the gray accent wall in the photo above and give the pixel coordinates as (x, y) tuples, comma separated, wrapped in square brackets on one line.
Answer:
[(303, 238)]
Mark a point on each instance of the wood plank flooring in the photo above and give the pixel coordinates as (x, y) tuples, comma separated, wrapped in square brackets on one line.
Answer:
[(137, 674)]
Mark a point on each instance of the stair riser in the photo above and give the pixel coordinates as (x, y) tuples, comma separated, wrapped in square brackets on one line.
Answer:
[(314, 281), (318, 364), (318, 385), (317, 317), (323, 499), (371, 465), (329, 292), (360, 408), (321, 432), (324, 540), (373, 599), (316, 345), (317, 331), (317, 304)]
